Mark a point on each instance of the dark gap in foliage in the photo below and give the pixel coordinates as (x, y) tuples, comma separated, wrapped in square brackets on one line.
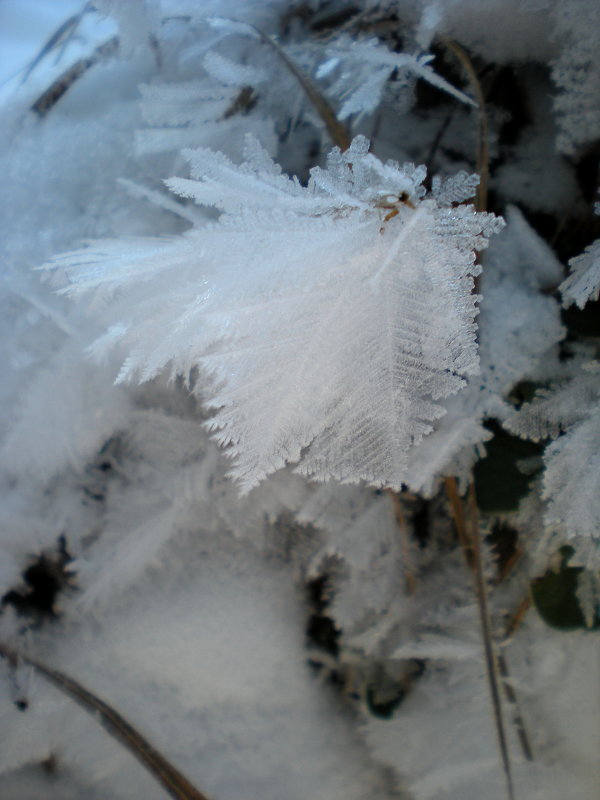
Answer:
[(504, 90), (500, 483), (383, 695), (50, 764), (320, 629), (420, 523), (100, 471), (504, 541), (524, 392), (380, 692), (582, 322), (587, 170), (43, 580)]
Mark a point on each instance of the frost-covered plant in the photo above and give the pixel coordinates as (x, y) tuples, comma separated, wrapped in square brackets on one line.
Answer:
[(240, 406), (323, 325)]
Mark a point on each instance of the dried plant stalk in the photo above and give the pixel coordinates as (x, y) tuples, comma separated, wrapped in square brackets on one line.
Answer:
[(171, 779)]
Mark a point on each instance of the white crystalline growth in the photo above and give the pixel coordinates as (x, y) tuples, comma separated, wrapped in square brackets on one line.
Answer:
[(583, 283), (329, 319)]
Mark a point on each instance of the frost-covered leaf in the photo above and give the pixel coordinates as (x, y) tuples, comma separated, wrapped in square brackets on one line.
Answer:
[(515, 346), (583, 283), (67, 412), (576, 71), (361, 68), (570, 415), (554, 411), (572, 479), (192, 113), (359, 534), (330, 318)]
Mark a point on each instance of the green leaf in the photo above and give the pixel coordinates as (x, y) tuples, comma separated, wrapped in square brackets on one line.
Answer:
[(555, 596)]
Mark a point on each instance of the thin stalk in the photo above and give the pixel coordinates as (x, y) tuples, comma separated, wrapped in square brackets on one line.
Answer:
[(514, 622), (459, 519), (174, 782), (512, 698), (338, 133), (61, 36), (483, 155), (471, 546), (61, 85), (486, 630)]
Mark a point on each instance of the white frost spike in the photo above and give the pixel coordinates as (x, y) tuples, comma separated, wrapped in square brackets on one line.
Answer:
[(583, 283), (330, 323), (365, 66)]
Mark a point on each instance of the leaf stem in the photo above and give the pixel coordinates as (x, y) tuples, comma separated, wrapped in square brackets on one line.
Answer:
[(483, 155), (486, 629), (338, 133), (472, 550), (173, 781)]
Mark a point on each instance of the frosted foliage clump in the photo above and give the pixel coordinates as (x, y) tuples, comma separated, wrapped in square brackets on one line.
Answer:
[(515, 347), (352, 316), (569, 414), (577, 73), (583, 283), (192, 113), (275, 268), (359, 70)]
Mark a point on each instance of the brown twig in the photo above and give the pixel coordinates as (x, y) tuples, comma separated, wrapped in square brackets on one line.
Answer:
[(472, 550), (514, 622), (61, 35), (173, 781), (338, 133), (510, 564), (459, 519), (512, 698), (483, 155), (61, 86), (486, 629)]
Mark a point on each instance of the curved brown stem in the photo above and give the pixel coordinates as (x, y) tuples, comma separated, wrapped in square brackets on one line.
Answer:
[(338, 133), (486, 629), (173, 781), (483, 155), (471, 545)]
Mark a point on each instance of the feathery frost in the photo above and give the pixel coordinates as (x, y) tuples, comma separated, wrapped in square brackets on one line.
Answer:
[(583, 283), (569, 415), (330, 318), (327, 320)]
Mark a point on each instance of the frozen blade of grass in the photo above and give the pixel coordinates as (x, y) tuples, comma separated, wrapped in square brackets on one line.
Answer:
[(60, 37), (53, 93), (338, 133)]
